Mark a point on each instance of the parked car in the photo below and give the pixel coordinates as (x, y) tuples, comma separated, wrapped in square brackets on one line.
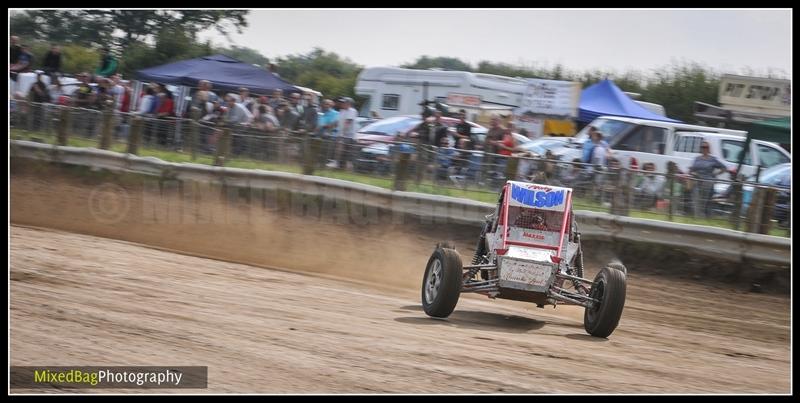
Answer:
[(541, 145), (779, 176), (376, 138)]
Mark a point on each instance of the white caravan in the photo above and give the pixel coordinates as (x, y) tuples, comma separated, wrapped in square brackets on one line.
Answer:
[(392, 91)]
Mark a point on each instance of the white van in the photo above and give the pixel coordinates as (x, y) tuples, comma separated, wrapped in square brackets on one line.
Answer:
[(660, 142)]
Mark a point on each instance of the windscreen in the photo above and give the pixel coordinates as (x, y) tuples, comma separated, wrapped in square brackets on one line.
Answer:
[(391, 126)]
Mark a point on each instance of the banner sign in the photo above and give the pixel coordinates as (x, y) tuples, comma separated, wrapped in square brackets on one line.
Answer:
[(550, 98)]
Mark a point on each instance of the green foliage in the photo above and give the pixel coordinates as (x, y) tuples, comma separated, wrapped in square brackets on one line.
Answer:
[(442, 62), (76, 59), (102, 27), (678, 86), (323, 71), (245, 54)]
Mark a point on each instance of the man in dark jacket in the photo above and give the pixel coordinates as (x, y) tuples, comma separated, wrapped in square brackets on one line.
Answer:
[(310, 115), (52, 60), (14, 50)]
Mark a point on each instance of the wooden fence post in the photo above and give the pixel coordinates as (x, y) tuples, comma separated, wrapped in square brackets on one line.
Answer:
[(223, 146), (62, 137), (105, 136), (401, 171), (135, 137)]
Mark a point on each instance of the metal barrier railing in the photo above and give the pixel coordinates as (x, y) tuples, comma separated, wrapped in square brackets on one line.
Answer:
[(408, 165)]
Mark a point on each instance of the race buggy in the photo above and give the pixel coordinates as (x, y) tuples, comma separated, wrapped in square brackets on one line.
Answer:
[(529, 250)]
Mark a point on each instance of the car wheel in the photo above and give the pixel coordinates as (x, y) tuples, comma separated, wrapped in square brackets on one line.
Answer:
[(441, 284), (602, 317)]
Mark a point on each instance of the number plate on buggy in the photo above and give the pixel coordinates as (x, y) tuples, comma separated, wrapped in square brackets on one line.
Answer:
[(526, 272)]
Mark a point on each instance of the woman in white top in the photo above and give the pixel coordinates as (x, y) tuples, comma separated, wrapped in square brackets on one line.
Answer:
[(147, 101)]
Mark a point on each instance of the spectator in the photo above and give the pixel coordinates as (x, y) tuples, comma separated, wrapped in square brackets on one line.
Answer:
[(346, 137), (147, 101), (494, 134), (705, 168), (288, 116), (38, 95), (84, 96), (39, 91), (117, 90), (57, 95), (165, 111), (52, 61), (326, 129), (237, 114), (14, 49), (105, 96), (245, 100), (108, 64), (23, 64), (588, 146), (600, 149), (328, 120), (276, 99), (310, 115), (266, 120), (204, 99), (293, 118), (431, 131), (463, 131), (444, 158), (650, 187)]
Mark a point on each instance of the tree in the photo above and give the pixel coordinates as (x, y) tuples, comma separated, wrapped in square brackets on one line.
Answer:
[(323, 71), (442, 62), (103, 27), (244, 54)]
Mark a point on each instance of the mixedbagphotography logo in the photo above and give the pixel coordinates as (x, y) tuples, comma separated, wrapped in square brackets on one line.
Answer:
[(147, 377), (109, 203)]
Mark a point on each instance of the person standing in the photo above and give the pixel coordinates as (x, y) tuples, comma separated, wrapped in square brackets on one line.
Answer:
[(705, 168), (347, 132), (23, 64), (14, 49), (245, 100), (276, 99), (108, 64), (310, 114), (52, 61), (464, 132), (326, 129), (600, 149)]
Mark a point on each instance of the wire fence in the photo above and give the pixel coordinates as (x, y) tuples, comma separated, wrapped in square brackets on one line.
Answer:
[(411, 166)]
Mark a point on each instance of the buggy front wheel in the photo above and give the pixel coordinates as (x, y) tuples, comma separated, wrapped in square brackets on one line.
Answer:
[(441, 284), (602, 317)]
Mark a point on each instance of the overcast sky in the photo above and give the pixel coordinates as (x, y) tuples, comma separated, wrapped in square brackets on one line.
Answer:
[(726, 40)]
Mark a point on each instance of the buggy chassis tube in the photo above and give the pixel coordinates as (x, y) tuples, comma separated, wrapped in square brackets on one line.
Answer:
[(562, 298), (570, 294), (567, 276), (477, 266)]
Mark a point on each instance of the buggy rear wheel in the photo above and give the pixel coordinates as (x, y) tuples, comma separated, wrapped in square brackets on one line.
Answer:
[(441, 284), (603, 316)]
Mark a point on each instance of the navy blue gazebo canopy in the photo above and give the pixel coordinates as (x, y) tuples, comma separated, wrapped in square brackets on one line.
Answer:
[(605, 98), (222, 71)]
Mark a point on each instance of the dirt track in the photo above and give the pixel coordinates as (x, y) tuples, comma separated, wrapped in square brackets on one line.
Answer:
[(83, 300)]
